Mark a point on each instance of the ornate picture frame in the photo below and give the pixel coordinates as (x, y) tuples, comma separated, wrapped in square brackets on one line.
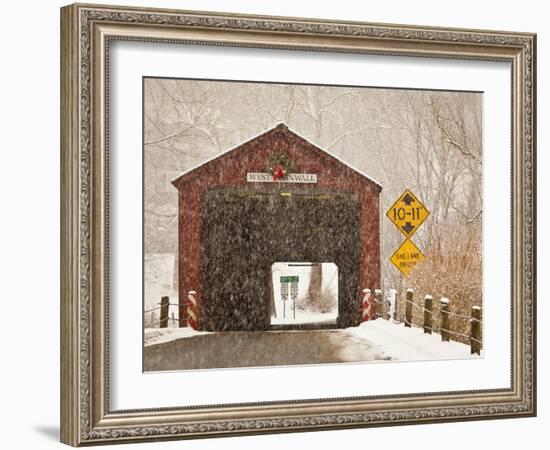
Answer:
[(87, 31)]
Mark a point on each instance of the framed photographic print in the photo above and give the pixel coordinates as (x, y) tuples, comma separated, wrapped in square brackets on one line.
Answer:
[(275, 224)]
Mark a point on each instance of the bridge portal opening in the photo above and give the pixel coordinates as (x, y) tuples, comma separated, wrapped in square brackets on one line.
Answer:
[(304, 293)]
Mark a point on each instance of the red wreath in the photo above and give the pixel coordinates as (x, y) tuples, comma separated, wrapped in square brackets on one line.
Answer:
[(280, 166)]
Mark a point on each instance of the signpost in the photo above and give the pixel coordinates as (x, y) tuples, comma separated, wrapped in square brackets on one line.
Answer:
[(407, 214), (284, 296), (289, 284)]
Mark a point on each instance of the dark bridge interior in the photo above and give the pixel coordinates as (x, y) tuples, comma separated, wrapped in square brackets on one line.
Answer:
[(244, 231)]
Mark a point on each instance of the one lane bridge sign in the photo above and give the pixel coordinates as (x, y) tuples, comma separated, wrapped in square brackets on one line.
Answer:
[(408, 213), (407, 257)]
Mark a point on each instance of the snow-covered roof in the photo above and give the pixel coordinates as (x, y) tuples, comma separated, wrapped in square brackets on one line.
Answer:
[(281, 125)]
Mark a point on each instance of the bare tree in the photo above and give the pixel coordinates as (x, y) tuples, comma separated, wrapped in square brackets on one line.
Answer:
[(314, 289)]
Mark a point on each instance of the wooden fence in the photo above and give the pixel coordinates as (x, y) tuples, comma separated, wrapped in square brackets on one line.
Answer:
[(433, 317), (423, 315), (159, 317)]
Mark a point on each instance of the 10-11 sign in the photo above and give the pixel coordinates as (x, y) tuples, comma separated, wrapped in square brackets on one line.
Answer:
[(408, 213)]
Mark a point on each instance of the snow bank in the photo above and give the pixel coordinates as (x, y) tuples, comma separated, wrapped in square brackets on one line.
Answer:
[(152, 336), (400, 343)]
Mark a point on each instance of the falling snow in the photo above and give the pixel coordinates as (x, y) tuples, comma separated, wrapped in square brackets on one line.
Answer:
[(211, 228)]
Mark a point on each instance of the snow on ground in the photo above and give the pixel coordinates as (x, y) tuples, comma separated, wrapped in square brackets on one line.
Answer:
[(305, 317), (152, 336), (400, 343)]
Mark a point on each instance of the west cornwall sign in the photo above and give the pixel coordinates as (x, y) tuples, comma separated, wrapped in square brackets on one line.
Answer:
[(258, 177)]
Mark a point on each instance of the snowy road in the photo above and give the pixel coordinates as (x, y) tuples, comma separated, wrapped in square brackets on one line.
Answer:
[(252, 349), (376, 340)]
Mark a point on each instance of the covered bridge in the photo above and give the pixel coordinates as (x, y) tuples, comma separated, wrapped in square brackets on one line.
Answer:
[(276, 197)]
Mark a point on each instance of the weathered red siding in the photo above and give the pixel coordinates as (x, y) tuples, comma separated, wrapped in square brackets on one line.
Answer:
[(230, 169)]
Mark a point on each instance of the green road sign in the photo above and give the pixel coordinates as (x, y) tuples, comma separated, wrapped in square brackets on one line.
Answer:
[(289, 279)]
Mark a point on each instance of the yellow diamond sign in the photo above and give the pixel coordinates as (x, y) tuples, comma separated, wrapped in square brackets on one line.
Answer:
[(407, 257), (408, 213)]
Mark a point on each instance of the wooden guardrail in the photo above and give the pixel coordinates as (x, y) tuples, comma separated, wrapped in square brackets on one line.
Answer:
[(426, 311)]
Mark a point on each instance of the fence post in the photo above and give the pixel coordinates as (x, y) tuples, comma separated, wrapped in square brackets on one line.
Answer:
[(428, 324), (393, 293), (444, 307), (387, 308), (164, 305), (379, 309), (475, 330), (408, 308)]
